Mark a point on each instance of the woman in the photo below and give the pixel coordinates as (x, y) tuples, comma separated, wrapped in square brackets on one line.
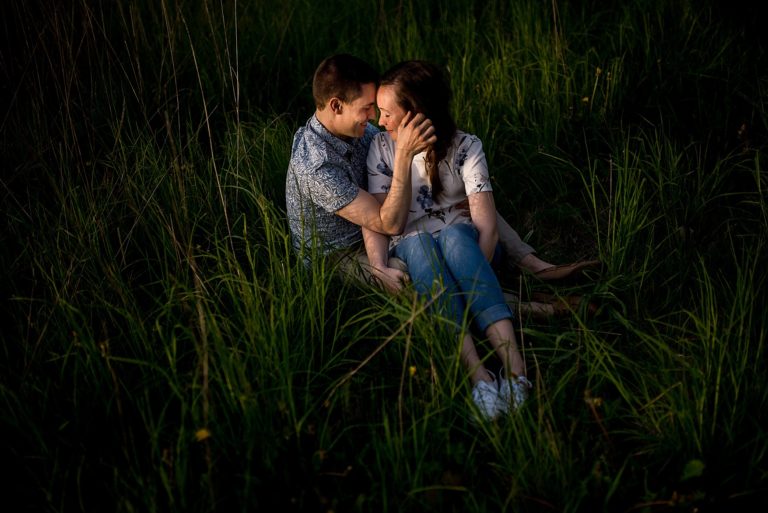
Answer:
[(439, 242)]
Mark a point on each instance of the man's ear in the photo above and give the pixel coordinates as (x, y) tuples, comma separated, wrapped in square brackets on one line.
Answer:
[(335, 105)]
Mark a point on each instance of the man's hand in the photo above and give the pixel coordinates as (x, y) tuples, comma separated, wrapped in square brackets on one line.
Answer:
[(389, 278)]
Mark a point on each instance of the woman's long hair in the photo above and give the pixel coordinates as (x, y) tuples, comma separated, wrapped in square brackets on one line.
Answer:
[(420, 87)]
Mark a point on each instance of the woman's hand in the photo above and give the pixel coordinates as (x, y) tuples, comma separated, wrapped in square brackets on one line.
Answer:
[(390, 278), (415, 134)]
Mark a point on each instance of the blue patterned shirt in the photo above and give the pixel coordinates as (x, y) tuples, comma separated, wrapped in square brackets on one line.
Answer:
[(325, 174)]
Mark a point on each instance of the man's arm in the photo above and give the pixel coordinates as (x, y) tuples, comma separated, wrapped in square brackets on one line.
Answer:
[(366, 212), (377, 248), (415, 134), (483, 211)]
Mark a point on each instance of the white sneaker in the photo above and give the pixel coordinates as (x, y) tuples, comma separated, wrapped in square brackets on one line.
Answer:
[(485, 395), (512, 393)]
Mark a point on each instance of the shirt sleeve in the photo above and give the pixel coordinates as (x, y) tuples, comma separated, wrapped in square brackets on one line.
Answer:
[(380, 158), (331, 188), (470, 160)]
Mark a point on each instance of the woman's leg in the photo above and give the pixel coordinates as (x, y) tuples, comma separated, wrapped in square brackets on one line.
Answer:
[(427, 270), (472, 362), (475, 278), (485, 391), (502, 337), (427, 267)]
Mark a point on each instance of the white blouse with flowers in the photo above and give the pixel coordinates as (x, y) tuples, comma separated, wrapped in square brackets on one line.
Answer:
[(464, 171)]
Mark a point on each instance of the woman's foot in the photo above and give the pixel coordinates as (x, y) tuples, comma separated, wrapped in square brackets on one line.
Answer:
[(485, 395), (513, 392)]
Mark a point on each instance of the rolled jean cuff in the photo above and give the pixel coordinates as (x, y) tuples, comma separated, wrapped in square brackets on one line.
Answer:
[(493, 314)]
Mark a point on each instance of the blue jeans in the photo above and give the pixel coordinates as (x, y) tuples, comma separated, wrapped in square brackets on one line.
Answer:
[(454, 258)]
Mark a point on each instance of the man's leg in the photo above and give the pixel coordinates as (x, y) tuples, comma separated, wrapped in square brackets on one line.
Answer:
[(519, 253), (524, 256), (511, 243)]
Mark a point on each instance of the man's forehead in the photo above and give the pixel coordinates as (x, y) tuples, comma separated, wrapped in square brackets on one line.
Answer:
[(367, 96)]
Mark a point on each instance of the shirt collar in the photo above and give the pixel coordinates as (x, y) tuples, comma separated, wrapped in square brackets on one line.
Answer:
[(341, 146)]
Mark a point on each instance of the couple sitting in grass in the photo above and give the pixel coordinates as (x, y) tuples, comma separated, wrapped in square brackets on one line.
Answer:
[(417, 197)]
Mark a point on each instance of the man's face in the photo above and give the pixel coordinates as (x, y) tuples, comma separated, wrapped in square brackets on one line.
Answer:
[(391, 112), (355, 115)]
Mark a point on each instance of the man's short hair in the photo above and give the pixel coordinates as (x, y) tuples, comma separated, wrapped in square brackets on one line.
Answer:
[(341, 76)]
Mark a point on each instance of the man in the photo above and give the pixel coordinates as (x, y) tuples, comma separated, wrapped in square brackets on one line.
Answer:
[(326, 184)]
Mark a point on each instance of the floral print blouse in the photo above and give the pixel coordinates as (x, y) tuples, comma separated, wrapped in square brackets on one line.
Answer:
[(463, 172)]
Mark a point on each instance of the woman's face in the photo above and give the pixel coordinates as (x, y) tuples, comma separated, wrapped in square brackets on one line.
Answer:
[(390, 112)]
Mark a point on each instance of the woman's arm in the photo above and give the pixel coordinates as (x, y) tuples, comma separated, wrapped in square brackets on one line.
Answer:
[(483, 212)]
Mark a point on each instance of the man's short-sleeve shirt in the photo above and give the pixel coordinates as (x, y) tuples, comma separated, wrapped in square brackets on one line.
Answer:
[(463, 171), (325, 174)]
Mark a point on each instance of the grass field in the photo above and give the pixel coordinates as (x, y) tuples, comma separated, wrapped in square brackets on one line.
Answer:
[(164, 350)]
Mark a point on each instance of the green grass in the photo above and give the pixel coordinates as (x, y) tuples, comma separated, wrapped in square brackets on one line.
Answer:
[(164, 348)]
